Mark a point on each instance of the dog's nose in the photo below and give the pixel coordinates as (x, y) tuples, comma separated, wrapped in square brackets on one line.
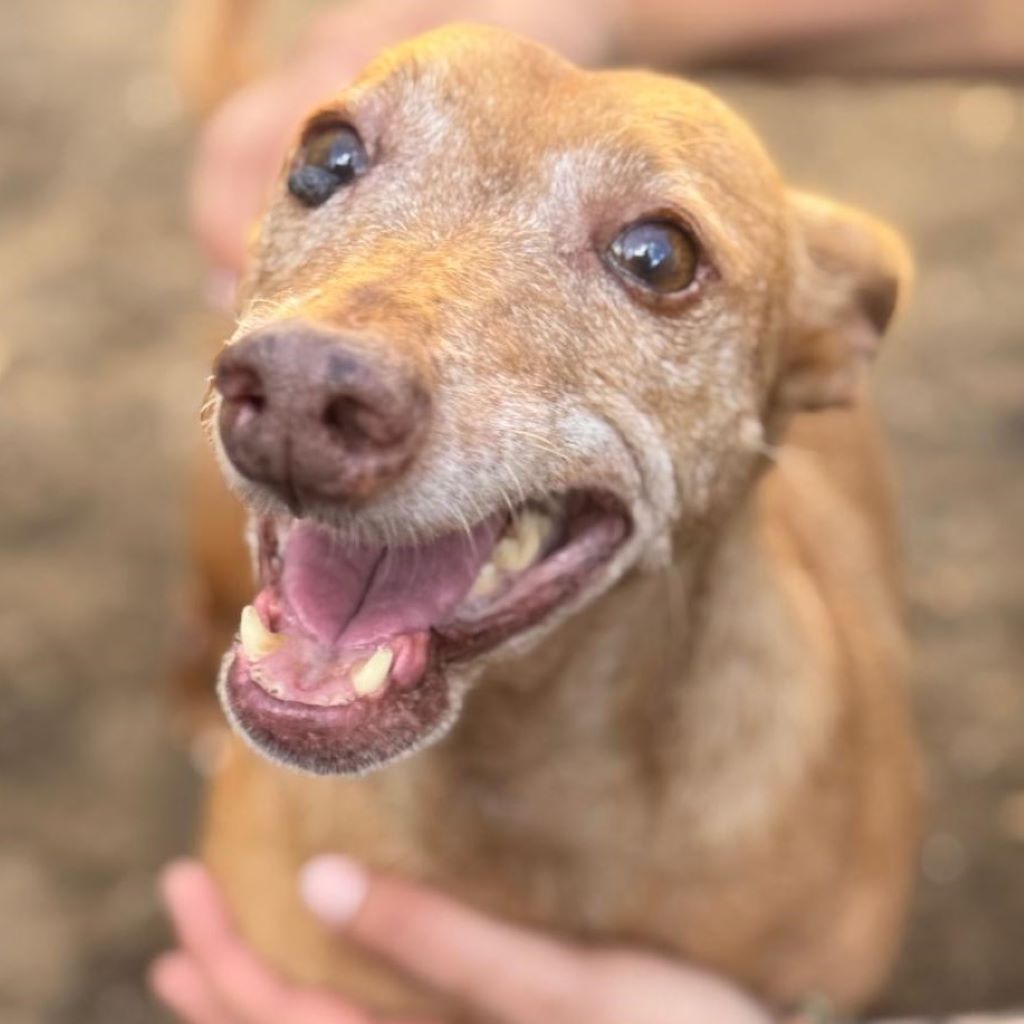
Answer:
[(316, 414)]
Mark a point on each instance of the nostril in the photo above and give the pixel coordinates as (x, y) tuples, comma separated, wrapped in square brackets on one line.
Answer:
[(242, 389), (240, 383), (358, 426)]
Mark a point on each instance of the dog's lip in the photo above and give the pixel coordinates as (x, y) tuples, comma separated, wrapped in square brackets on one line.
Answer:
[(370, 730)]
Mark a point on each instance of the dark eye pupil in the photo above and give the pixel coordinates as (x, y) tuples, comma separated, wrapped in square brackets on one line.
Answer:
[(331, 159), (339, 153), (648, 256), (659, 254)]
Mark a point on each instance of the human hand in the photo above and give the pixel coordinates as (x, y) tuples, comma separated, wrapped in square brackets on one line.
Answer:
[(244, 142), (494, 969)]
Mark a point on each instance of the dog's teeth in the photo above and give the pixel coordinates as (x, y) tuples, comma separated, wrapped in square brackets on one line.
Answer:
[(519, 548), (372, 674), (257, 640), (511, 555), (487, 582), (516, 551)]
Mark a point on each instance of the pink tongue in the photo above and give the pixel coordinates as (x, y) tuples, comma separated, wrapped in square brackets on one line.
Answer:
[(357, 595)]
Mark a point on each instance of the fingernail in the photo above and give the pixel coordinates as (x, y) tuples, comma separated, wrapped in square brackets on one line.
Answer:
[(333, 887)]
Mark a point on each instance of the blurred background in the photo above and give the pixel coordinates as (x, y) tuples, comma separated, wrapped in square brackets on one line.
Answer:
[(102, 362)]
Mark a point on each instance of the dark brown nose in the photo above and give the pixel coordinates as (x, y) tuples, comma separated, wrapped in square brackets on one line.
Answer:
[(316, 415)]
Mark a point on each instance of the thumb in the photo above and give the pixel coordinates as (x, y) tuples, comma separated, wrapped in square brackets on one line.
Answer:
[(505, 971)]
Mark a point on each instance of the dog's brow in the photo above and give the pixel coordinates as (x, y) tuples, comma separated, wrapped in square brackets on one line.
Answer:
[(337, 109), (642, 179)]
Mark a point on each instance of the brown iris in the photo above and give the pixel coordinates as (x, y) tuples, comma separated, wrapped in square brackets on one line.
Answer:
[(659, 254)]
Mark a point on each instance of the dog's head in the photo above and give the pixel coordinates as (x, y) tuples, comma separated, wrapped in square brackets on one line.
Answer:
[(511, 329)]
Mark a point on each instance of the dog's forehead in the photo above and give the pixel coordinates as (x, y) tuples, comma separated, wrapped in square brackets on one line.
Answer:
[(508, 108)]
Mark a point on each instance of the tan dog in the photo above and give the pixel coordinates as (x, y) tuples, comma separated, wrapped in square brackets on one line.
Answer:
[(535, 399)]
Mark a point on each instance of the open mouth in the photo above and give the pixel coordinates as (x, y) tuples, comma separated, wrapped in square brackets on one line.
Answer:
[(340, 662)]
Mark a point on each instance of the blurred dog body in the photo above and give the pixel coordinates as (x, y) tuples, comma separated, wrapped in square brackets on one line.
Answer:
[(707, 750)]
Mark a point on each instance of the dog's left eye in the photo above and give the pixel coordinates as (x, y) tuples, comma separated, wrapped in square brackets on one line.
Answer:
[(659, 254), (331, 157)]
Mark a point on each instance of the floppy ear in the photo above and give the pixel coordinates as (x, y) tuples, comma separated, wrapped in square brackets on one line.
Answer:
[(850, 271)]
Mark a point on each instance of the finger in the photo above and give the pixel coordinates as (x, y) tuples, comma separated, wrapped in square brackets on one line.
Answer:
[(240, 150), (238, 977), (309, 1006), (500, 969), (634, 986), (176, 980), (179, 982)]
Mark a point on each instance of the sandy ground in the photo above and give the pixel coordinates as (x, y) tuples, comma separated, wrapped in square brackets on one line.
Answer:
[(100, 377)]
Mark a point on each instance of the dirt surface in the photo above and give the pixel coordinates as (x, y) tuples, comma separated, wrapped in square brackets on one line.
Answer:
[(100, 379)]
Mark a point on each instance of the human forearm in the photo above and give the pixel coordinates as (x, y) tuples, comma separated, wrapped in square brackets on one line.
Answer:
[(895, 35)]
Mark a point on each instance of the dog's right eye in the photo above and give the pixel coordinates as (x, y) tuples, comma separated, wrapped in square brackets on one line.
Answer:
[(330, 157)]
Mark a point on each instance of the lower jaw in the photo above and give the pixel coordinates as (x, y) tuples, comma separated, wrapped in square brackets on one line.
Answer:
[(344, 740)]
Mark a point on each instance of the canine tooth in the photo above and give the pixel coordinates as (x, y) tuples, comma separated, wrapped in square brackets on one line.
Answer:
[(257, 640), (372, 674), (509, 555), (487, 582), (523, 542)]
